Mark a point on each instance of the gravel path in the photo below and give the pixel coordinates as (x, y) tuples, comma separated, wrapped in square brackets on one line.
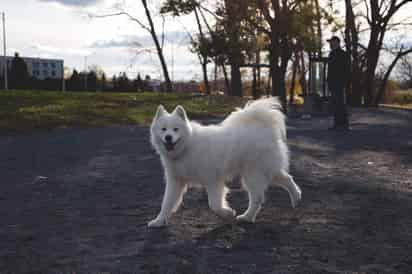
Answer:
[(78, 200)]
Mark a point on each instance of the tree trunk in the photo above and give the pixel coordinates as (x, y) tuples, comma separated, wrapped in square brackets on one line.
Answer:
[(254, 85), (275, 79), (227, 83), (205, 78), (371, 63), (282, 82), (215, 75), (352, 46), (158, 47), (258, 72), (235, 76), (302, 74), (203, 58), (235, 55), (292, 84), (268, 85), (385, 79), (318, 26)]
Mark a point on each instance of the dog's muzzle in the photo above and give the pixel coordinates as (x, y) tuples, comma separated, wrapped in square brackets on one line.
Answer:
[(169, 145)]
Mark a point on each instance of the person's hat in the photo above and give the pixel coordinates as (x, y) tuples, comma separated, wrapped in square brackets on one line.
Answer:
[(333, 38)]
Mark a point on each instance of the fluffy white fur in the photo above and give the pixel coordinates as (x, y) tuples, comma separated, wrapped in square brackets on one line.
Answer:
[(250, 143)]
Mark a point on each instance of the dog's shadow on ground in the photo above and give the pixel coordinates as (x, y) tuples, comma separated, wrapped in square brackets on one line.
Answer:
[(158, 236), (236, 235)]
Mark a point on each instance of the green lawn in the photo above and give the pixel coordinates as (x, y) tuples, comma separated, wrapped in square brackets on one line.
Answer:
[(23, 111)]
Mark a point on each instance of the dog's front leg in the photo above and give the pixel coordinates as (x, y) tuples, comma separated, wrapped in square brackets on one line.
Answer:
[(217, 200), (171, 201)]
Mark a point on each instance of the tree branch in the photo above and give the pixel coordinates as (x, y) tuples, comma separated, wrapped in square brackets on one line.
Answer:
[(210, 12), (122, 13)]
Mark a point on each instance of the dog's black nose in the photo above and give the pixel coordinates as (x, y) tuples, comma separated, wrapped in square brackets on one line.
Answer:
[(168, 138)]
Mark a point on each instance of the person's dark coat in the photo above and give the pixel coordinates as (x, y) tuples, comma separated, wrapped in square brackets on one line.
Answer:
[(338, 69)]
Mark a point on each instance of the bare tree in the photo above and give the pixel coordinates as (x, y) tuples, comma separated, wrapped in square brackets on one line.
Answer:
[(352, 47), (398, 56), (185, 7), (234, 11), (149, 27), (295, 65), (379, 15), (288, 22), (404, 71)]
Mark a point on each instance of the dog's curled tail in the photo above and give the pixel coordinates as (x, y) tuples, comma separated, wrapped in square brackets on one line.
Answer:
[(266, 111)]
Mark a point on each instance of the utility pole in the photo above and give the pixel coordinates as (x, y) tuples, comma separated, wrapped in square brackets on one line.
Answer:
[(6, 84), (85, 73), (63, 80), (173, 63)]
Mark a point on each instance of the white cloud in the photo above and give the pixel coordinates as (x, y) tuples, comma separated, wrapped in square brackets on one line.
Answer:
[(61, 51), (74, 3), (116, 43), (142, 41), (38, 28)]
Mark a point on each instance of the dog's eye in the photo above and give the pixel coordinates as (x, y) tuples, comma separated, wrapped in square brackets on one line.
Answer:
[(164, 129), (175, 129)]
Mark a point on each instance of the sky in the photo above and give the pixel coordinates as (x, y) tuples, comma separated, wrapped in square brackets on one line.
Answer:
[(63, 29)]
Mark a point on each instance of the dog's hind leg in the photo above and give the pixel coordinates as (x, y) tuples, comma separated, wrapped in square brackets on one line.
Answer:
[(171, 201), (216, 195), (285, 181), (255, 185)]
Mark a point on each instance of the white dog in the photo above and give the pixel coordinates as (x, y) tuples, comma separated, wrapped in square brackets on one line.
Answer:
[(250, 143)]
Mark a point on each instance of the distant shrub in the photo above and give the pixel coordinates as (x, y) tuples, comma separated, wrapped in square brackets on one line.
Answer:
[(390, 91), (402, 97)]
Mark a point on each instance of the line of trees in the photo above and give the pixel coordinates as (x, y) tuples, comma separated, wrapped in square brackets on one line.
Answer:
[(280, 35), (93, 80), (97, 81)]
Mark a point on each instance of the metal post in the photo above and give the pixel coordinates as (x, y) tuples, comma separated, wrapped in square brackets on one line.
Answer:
[(6, 84), (63, 80), (310, 75), (85, 73), (324, 78)]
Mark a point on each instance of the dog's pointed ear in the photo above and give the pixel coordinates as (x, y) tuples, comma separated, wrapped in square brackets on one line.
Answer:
[(180, 111), (160, 111)]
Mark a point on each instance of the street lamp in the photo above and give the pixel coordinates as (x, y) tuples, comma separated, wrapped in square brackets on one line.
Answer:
[(6, 85)]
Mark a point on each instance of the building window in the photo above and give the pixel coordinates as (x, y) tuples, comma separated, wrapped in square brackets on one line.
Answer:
[(53, 65), (53, 73)]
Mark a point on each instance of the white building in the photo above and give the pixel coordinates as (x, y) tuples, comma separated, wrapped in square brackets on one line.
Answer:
[(39, 68)]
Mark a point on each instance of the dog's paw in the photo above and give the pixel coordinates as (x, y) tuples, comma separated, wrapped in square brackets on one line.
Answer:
[(297, 199), (245, 219), (226, 213), (158, 222)]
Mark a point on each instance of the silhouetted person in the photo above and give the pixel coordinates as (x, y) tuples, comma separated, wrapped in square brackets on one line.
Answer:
[(19, 75), (338, 75)]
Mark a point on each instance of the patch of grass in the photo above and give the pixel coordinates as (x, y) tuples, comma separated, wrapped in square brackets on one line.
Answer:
[(22, 111), (403, 97), (403, 106)]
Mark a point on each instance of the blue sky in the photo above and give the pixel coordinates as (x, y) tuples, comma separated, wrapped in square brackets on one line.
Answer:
[(62, 29)]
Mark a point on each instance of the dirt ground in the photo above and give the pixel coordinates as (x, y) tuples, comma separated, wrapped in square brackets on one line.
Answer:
[(78, 200)]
